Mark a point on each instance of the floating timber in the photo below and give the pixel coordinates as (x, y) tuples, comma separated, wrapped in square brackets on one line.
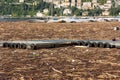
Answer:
[(39, 44)]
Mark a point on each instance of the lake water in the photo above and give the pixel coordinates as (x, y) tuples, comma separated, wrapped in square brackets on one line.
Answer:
[(16, 19)]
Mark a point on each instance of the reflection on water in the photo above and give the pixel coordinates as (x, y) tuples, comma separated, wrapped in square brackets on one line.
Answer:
[(66, 19), (17, 19)]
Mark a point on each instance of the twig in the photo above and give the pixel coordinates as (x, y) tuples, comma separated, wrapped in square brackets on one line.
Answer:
[(56, 70)]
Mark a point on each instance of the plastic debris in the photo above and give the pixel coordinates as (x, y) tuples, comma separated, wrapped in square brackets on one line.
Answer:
[(116, 28), (56, 70), (73, 60)]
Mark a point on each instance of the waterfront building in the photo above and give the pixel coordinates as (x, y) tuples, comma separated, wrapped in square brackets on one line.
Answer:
[(87, 5), (21, 1), (79, 4)]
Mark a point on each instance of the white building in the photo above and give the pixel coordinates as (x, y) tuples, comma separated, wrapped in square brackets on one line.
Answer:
[(79, 4), (66, 4), (39, 14), (95, 3), (45, 11), (87, 5), (67, 11), (85, 13), (48, 0), (101, 7), (21, 1), (109, 2), (108, 5), (73, 3), (105, 13), (56, 2), (117, 3)]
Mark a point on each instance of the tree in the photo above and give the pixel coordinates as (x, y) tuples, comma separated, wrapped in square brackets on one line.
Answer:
[(78, 12), (102, 1), (86, 0), (115, 11), (95, 12), (73, 10)]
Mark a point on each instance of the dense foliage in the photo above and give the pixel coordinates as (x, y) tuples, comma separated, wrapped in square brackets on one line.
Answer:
[(86, 0), (115, 11), (95, 12), (10, 7), (102, 1), (10, 1), (22, 9)]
